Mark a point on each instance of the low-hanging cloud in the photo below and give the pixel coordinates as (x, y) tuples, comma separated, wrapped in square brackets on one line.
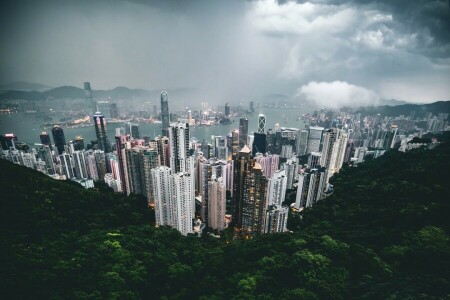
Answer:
[(336, 94)]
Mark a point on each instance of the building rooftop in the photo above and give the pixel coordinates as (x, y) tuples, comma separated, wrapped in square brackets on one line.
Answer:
[(245, 149)]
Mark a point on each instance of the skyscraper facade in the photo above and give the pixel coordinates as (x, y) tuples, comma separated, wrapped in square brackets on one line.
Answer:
[(276, 219), (45, 139), (58, 138), (165, 117), (253, 203), (259, 143), (276, 188), (89, 98), (100, 132), (243, 132), (314, 139), (261, 123), (179, 147), (217, 203)]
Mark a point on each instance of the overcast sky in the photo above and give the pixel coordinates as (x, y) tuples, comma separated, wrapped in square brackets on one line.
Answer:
[(329, 51)]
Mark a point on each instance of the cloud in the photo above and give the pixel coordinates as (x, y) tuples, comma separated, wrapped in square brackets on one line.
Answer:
[(336, 94)]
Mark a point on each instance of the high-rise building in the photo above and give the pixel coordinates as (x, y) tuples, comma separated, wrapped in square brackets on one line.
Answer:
[(78, 143), (243, 132), (149, 161), (45, 139), (252, 106), (80, 165), (66, 165), (220, 147), (276, 219), (163, 146), (314, 159), (311, 185), (101, 132), (121, 146), (269, 163), (162, 196), (261, 123), (89, 98), (173, 199), (259, 143), (302, 142), (183, 201), (45, 154), (333, 152), (58, 138), (100, 160), (91, 165), (276, 188), (179, 147), (270, 138), (241, 168), (165, 117), (217, 203), (291, 168), (314, 139), (253, 203), (227, 110), (235, 142)]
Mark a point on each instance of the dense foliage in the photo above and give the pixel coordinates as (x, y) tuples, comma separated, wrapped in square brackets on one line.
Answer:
[(383, 233)]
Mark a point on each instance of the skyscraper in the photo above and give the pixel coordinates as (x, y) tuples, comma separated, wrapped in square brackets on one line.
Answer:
[(45, 139), (302, 142), (269, 163), (243, 132), (58, 138), (261, 123), (311, 185), (220, 147), (165, 117), (100, 131), (217, 203), (161, 194), (173, 199), (235, 142), (314, 139), (276, 188), (66, 165), (80, 165), (179, 147), (259, 143), (253, 203), (276, 219), (78, 143), (227, 110), (242, 166), (291, 168), (333, 152), (89, 98)]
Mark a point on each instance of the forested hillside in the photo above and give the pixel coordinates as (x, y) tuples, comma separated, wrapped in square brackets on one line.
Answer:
[(384, 233)]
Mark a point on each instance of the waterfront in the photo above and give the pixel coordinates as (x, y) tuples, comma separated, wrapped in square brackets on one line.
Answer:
[(27, 127)]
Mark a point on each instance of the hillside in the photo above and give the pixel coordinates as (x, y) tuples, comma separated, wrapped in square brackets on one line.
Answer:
[(405, 109), (384, 233), (71, 92), (23, 86)]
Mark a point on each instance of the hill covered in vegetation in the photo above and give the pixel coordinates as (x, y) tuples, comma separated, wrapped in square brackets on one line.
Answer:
[(383, 233)]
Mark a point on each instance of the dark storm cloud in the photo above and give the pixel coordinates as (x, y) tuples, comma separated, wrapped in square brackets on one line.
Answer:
[(233, 50)]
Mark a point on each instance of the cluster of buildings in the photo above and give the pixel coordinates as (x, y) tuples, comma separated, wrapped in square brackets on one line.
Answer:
[(239, 180)]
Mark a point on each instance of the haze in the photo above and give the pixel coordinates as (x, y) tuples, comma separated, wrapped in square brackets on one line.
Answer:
[(332, 52)]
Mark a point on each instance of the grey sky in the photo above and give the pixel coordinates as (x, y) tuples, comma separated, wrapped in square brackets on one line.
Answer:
[(330, 51)]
